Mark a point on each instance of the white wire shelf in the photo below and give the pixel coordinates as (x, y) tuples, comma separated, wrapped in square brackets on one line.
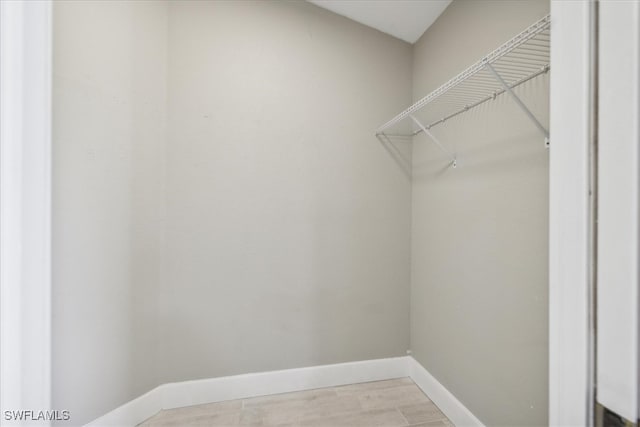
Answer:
[(517, 61)]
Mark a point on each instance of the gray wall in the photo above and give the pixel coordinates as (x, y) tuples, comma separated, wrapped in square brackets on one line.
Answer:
[(479, 233), (220, 203), (109, 115), (288, 224)]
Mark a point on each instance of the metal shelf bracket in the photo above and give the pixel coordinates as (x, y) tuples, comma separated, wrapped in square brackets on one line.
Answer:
[(518, 101), (454, 161)]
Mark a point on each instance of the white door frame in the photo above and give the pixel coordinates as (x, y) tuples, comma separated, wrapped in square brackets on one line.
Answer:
[(25, 206), (25, 191), (570, 341)]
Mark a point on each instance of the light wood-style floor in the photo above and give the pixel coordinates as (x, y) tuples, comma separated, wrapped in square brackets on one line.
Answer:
[(392, 403)]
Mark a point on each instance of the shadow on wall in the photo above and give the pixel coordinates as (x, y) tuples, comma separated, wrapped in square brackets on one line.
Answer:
[(495, 137), (403, 160)]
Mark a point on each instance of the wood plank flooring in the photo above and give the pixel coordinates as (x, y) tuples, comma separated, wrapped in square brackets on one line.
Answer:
[(392, 403)]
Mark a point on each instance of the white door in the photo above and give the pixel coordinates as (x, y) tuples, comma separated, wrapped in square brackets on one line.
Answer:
[(618, 256)]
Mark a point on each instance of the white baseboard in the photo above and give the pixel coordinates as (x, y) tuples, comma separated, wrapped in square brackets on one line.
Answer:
[(459, 415), (196, 392), (187, 393), (133, 412)]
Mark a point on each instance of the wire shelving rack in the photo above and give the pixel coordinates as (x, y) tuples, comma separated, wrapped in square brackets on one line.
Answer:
[(522, 58)]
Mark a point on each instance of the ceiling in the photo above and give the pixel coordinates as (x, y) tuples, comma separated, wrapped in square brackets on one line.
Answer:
[(404, 19)]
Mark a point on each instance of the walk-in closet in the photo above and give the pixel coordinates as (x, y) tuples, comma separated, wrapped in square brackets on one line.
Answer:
[(323, 213)]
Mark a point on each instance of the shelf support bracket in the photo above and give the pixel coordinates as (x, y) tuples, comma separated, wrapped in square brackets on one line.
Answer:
[(438, 143), (521, 104)]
